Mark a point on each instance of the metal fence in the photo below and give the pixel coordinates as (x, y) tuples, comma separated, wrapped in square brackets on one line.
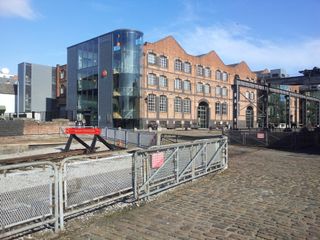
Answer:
[(36, 194), (160, 168), (123, 137), (28, 197)]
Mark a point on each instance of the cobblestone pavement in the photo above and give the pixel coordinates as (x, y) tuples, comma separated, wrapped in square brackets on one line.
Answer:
[(265, 194)]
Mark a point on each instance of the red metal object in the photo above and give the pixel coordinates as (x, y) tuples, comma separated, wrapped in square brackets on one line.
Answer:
[(79, 131)]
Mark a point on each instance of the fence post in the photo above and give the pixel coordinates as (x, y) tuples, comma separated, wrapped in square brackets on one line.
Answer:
[(139, 141), (135, 176), (61, 198)]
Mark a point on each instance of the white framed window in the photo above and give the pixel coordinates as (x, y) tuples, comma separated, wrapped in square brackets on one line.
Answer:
[(224, 92), (187, 85), (199, 70), (218, 108), (218, 91), (187, 67), (187, 105), (163, 103), (152, 58), (206, 88), (218, 75), (252, 96), (177, 84), (207, 72), (163, 62), (177, 104), (224, 76), (152, 79), (178, 65), (224, 108), (151, 103), (247, 95), (199, 87), (163, 81)]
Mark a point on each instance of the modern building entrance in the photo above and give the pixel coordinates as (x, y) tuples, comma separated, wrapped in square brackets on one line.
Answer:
[(203, 115)]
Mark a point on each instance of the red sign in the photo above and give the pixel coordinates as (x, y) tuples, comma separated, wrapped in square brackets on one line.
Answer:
[(157, 159), (260, 135), (104, 73), (91, 131)]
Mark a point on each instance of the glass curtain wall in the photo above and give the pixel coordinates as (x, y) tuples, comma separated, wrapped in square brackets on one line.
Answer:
[(127, 49)]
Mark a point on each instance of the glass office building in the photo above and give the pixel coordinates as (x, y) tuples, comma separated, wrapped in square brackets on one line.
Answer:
[(104, 79)]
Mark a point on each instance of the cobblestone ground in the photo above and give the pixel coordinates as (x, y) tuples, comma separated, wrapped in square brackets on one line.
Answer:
[(265, 194)]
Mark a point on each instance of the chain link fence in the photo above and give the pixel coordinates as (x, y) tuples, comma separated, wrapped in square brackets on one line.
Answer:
[(28, 197)]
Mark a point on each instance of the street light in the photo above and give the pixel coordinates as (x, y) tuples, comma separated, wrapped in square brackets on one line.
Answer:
[(17, 82)]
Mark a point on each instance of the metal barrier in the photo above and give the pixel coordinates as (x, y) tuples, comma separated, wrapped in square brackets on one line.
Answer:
[(89, 183), (160, 168), (28, 197), (123, 137), (36, 194)]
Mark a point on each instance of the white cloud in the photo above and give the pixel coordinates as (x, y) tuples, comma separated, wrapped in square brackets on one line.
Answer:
[(17, 8), (234, 43)]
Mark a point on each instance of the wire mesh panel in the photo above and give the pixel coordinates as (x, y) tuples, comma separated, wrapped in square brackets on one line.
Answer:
[(159, 168), (27, 193), (89, 180)]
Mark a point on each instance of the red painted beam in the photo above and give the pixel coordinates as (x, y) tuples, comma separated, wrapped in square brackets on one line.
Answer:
[(79, 131)]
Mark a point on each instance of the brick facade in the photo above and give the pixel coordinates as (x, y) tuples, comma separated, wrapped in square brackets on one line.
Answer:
[(220, 91)]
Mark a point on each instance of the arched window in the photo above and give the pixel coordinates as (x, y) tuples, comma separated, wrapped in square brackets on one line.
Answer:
[(247, 95), (199, 70), (218, 91), (163, 81), (62, 90), (224, 92), (224, 108), (152, 102), (207, 72), (199, 87), (187, 105), (224, 76), (177, 84), (152, 78), (177, 104), (206, 88), (187, 85), (218, 75), (152, 58), (163, 103), (178, 65), (252, 95), (218, 108), (187, 67), (163, 62)]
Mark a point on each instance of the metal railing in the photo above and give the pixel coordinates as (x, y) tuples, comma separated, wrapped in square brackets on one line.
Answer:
[(162, 167), (37, 194), (28, 197), (123, 137)]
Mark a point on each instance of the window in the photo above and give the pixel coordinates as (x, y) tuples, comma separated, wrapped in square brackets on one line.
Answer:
[(206, 88), (187, 105), (218, 108), (252, 95), (224, 92), (163, 62), (218, 91), (187, 85), (224, 108), (152, 79), (199, 70), (177, 83), (177, 104), (163, 103), (187, 67), (151, 58), (224, 76), (218, 75), (207, 72), (247, 95), (163, 81), (199, 87), (178, 65), (151, 102)]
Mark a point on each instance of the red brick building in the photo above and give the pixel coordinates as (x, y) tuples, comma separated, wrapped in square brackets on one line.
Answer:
[(181, 90)]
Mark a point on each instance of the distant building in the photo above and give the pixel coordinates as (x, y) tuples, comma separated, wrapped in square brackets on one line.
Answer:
[(8, 91), (37, 90), (61, 92)]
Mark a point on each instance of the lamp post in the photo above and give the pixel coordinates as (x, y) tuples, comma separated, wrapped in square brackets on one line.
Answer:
[(17, 82)]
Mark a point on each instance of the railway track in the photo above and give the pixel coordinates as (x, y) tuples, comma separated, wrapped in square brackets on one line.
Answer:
[(54, 157)]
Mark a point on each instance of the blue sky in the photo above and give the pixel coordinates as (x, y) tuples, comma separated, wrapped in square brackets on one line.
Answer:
[(266, 34)]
